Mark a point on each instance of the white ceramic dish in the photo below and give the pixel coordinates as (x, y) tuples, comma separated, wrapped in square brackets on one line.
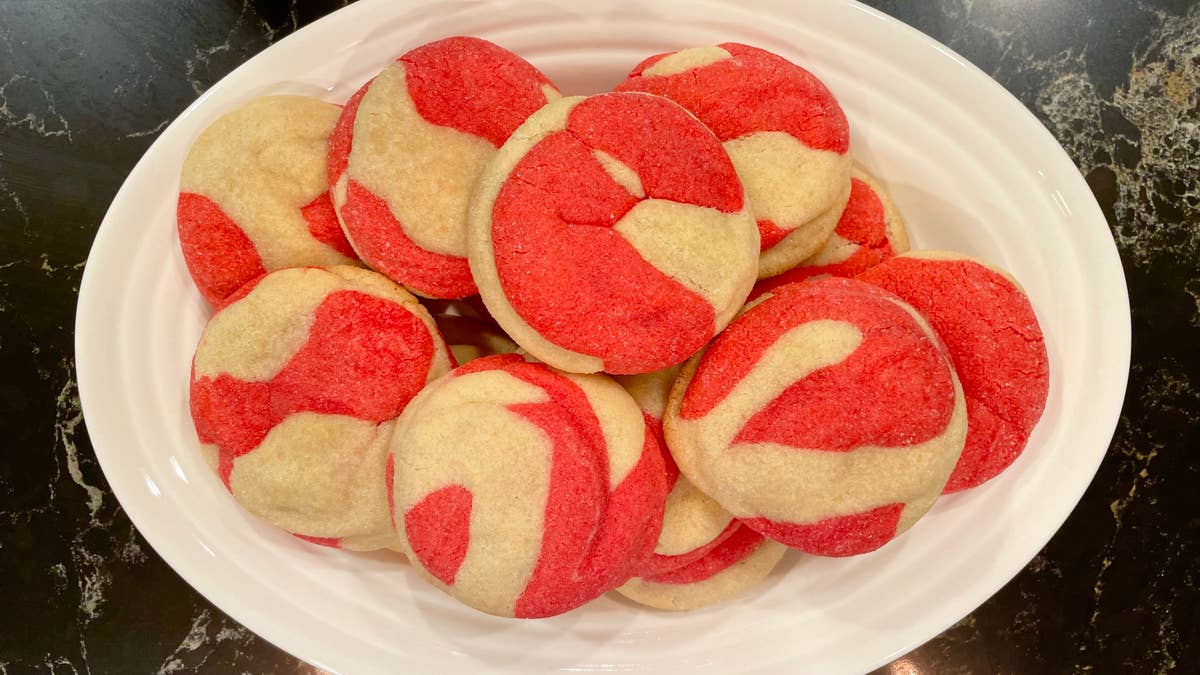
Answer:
[(970, 168)]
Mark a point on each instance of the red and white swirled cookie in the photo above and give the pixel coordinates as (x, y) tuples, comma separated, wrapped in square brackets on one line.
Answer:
[(870, 231), (827, 417), (783, 129), (409, 147), (253, 196), (524, 491), (994, 339), (295, 385), (609, 233)]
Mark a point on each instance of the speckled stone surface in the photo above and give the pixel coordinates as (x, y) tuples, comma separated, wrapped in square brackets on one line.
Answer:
[(86, 86)]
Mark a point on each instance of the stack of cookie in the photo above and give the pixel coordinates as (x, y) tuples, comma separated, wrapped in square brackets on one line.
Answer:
[(663, 333)]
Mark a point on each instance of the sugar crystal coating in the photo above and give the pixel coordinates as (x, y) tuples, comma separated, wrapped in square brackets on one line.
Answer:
[(524, 491), (784, 130), (295, 385), (610, 233), (995, 342), (253, 198), (869, 231), (827, 417), (409, 147)]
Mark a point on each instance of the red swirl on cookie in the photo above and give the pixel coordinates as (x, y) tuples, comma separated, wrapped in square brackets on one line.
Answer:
[(693, 524), (219, 255), (869, 231), (252, 195), (737, 90), (994, 339), (409, 147), (610, 234), (741, 542), (784, 130), (740, 562), (827, 417), (294, 386), (524, 491), (703, 555)]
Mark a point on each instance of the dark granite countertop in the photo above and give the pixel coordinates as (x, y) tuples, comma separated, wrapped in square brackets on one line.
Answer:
[(85, 87)]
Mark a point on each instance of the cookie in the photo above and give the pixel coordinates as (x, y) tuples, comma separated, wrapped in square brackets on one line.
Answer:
[(295, 387), (740, 563), (995, 342), (609, 233), (470, 339), (253, 196), (409, 147), (827, 417), (693, 524), (869, 231), (783, 129), (524, 491)]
